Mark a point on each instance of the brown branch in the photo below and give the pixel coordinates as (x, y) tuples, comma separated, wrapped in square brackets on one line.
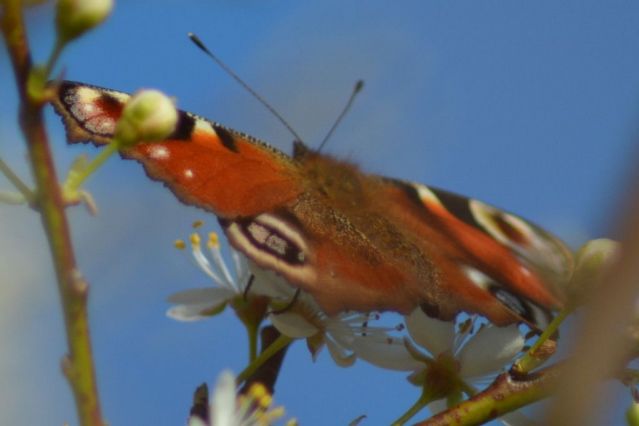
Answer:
[(78, 364), (506, 394), (602, 347)]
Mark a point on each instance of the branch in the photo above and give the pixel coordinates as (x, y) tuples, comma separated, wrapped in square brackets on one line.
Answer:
[(506, 394), (73, 290)]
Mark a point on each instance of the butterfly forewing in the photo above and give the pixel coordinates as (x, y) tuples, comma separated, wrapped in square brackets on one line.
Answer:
[(203, 163)]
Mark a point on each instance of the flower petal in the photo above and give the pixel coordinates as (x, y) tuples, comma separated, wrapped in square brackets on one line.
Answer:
[(192, 312), (340, 354), (293, 325), (223, 404), (490, 350), (388, 353), (268, 283), (199, 296), (196, 421), (435, 335)]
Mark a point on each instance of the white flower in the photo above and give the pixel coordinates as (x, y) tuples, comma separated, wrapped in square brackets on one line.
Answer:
[(229, 409), (341, 334), (200, 303), (477, 355), (460, 357), (301, 316)]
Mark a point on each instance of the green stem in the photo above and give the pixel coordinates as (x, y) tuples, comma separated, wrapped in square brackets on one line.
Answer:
[(531, 359), (425, 398), (503, 396), (78, 364), (252, 330), (53, 58), (16, 181), (75, 181), (281, 342)]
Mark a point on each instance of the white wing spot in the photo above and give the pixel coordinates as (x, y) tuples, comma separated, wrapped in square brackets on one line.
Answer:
[(258, 232), (480, 279), (188, 173), (159, 153)]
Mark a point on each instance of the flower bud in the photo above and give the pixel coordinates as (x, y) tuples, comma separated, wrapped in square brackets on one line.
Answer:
[(75, 17), (592, 260), (632, 415), (148, 116)]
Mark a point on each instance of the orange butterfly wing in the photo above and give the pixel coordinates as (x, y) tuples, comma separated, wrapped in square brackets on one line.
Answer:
[(496, 263), (203, 163)]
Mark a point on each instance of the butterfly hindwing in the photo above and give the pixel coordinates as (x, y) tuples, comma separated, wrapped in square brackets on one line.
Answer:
[(498, 260)]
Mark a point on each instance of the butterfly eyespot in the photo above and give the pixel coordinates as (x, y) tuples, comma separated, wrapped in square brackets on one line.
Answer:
[(270, 236), (521, 306), (510, 300)]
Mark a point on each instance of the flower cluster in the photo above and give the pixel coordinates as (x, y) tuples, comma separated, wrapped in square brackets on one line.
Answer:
[(447, 358)]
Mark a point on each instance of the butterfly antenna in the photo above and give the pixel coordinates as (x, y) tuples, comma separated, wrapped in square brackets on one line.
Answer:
[(196, 40), (359, 85)]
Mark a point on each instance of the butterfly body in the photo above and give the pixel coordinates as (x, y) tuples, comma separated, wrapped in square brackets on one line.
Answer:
[(354, 241)]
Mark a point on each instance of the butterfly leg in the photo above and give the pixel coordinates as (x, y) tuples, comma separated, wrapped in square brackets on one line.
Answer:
[(248, 287), (289, 305)]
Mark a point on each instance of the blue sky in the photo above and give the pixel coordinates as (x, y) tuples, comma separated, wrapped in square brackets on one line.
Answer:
[(531, 106)]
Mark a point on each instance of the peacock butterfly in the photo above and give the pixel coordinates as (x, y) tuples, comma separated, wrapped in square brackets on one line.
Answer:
[(354, 241)]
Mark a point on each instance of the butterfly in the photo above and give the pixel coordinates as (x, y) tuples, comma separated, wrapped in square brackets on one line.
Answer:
[(352, 240)]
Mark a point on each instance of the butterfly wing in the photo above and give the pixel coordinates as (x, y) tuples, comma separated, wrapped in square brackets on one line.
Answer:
[(353, 241), (496, 263), (203, 163)]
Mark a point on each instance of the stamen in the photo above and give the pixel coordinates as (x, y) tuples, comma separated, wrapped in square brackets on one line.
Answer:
[(214, 240), (179, 244), (272, 415), (214, 248), (202, 262), (195, 240), (265, 401), (257, 390), (197, 224)]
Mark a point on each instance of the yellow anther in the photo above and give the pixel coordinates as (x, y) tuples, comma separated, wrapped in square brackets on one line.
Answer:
[(214, 240), (257, 391), (195, 239), (265, 400), (292, 422), (179, 244), (197, 224)]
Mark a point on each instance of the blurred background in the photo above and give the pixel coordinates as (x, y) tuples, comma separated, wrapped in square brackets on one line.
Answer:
[(530, 106)]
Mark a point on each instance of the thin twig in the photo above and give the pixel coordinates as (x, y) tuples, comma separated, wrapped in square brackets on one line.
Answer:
[(73, 290), (269, 371), (278, 344), (16, 181)]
